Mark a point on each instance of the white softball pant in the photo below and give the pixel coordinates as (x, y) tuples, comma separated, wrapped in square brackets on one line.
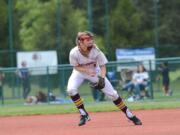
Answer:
[(77, 78)]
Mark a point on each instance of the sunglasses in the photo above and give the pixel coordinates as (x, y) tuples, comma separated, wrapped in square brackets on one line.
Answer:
[(86, 38)]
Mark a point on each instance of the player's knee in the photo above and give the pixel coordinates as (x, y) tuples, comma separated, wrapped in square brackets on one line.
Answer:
[(113, 96), (71, 92)]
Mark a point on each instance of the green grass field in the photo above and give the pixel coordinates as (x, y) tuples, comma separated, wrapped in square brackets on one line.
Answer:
[(16, 107), (91, 107)]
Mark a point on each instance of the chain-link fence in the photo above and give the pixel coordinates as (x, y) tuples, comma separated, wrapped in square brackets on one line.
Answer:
[(14, 91)]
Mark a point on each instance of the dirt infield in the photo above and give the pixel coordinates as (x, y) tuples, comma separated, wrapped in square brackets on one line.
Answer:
[(155, 122)]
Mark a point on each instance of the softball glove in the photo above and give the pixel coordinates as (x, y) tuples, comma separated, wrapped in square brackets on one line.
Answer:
[(98, 85)]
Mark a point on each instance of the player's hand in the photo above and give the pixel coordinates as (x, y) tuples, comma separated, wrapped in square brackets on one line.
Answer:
[(98, 85)]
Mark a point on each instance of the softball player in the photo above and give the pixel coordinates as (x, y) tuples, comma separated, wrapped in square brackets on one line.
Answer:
[(90, 64)]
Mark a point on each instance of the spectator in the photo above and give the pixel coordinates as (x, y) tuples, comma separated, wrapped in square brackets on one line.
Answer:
[(24, 75), (97, 95), (165, 78), (141, 81), (127, 83), (111, 75)]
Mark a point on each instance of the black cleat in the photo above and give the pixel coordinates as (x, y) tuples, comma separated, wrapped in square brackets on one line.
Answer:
[(83, 119), (135, 120)]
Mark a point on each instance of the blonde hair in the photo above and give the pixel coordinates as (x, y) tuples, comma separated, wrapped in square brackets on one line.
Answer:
[(79, 34)]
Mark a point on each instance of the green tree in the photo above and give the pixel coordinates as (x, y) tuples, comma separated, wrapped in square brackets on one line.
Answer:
[(39, 26), (169, 28), (125, 25), (3, 25), (133, 25)]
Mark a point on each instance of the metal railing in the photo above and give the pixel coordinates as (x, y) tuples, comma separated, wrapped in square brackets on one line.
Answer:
[(11, 88)]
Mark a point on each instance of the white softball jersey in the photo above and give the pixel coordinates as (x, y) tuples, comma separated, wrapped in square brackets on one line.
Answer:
[(95, 59), (140, 77)]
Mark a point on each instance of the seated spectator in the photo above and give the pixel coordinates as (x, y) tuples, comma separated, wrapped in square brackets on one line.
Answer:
[(141, 81), (127, 84), (111, 75), (137, 82)]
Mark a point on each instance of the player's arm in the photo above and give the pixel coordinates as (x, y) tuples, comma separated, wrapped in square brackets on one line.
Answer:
[(101, 81), (103, 71), (102, 60), (80, 69), (85, 70)]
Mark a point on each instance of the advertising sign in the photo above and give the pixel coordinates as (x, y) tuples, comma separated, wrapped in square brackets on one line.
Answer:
[(39, 62), (136, 56)]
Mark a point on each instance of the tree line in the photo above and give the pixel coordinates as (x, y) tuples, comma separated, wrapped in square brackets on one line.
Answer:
[(53, 24)]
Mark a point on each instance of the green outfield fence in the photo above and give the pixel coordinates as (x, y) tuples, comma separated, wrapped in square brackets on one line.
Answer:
[(56, 83)]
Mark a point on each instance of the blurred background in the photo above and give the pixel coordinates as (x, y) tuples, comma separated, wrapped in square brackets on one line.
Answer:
[(30, 29)]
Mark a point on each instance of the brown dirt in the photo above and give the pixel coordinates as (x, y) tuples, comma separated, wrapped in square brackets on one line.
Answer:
[(155, 122)]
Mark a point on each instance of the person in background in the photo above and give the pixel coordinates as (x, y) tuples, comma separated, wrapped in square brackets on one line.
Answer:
[(24, 75), (98, 95), (126, 82), (165, 78), (112, 76), (141, 81)]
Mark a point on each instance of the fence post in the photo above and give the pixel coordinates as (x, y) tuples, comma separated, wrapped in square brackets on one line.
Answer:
[(62, 80), (2, 96), (150, 74), (48, 87), (89, 10), (10, 21), (156, 23), (58, 38), (106, 21)]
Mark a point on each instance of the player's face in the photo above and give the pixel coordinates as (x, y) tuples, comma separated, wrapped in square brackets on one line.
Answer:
[(141, 68), (86, 41)]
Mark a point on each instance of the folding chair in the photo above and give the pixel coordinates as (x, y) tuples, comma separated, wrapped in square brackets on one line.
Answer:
[(126, 77)]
